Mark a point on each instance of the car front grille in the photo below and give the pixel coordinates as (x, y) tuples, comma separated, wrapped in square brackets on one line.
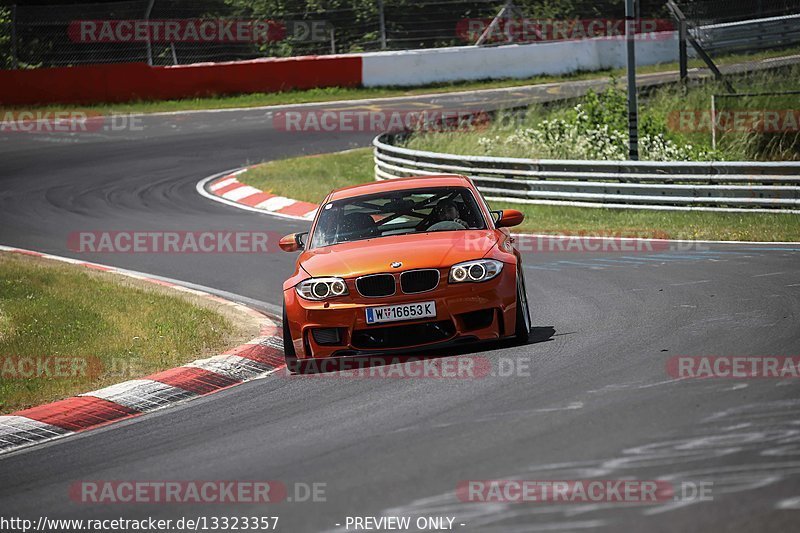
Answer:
[(403, 336), (375, 285), (413, 281)]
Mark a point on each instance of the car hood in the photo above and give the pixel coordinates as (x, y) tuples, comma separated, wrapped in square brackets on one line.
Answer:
[(421, 250)]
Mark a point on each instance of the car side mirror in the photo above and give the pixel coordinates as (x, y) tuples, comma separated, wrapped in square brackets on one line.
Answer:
[(293, 242), (509, 218)]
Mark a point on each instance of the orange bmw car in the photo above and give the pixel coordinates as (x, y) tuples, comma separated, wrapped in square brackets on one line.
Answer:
[(400, 266)]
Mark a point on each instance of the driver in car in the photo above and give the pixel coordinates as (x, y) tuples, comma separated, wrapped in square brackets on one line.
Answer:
[(447, 211)]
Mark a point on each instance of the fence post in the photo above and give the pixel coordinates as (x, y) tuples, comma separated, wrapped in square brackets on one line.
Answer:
[(333, 42), (683, 30), (676, 11), (713, 123), (382, 23), (492, 25), (633, 115), (147, 24), (14, 59), (683, 56)]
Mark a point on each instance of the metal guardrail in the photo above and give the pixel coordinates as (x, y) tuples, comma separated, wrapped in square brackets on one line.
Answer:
[(710, 186), (749, 35)]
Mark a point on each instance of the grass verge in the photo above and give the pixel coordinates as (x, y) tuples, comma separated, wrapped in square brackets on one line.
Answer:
[(673, 125), (341, 93), (66, 330), (689, 225), (311, 178)]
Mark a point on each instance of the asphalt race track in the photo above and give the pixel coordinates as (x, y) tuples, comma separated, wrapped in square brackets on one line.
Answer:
[(597, 400)]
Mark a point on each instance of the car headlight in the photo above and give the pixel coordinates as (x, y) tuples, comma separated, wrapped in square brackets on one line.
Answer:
[(321, 288), (475, 271)]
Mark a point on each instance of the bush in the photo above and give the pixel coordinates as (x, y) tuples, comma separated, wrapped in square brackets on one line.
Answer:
[(5, 38), (596, 128)]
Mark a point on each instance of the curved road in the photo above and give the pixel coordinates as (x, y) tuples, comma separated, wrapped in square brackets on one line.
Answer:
[(596, 402)]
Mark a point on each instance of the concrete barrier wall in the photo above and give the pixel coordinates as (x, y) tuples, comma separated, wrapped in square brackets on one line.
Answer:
[(114, 83), (138, 81), (436, 65)]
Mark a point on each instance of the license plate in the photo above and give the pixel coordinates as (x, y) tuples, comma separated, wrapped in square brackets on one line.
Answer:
[(393, 313)]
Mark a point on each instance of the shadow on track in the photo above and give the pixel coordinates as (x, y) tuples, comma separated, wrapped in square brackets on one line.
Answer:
[(359, 364)]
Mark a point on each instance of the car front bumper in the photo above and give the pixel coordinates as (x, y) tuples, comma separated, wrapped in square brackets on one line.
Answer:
[(464, 312)]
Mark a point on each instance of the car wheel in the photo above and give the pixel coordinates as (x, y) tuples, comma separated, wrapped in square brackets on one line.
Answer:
[(288, 346), (523, 326)]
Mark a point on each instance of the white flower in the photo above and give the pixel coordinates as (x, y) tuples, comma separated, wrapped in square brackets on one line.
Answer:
[(579, 138)]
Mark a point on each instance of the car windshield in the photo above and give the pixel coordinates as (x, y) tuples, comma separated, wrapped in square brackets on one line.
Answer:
[(397, 213)]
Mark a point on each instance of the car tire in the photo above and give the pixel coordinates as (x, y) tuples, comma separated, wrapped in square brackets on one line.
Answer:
[(288, 346), (523, 322)]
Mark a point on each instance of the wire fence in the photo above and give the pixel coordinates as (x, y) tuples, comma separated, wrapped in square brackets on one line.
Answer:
[(705, 12), (168, 32), (749, 30), (723, 28)]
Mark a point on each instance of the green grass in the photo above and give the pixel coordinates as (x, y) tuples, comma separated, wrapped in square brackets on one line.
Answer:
[(659, 111), (311, 178), (120, 329), (327, 94), (342, 93), (656, 224)]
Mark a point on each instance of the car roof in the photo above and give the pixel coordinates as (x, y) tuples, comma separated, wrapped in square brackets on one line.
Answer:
[(399, 184)]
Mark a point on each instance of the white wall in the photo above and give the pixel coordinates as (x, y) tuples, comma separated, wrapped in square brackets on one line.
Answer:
[(419, 67)]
